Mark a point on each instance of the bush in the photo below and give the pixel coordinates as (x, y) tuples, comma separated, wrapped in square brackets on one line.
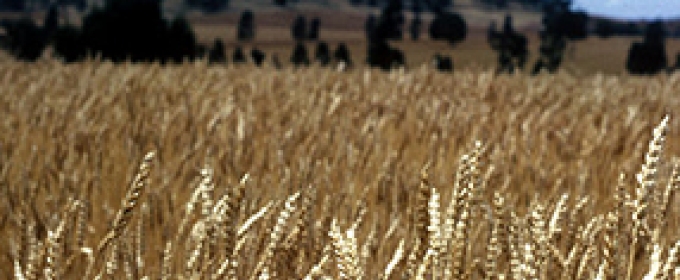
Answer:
[(300, 57), (217, 54), (322, 54), (381, 55), (258, 56), (238, 56), (443, 63), (341, 54)]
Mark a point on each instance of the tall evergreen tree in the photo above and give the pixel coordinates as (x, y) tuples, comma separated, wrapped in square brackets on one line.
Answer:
[(246, 26)]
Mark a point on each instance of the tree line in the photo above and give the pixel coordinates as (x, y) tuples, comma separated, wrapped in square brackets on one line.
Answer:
[(136, 30)]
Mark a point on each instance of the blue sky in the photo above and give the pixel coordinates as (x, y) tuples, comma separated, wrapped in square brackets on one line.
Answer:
[(631, 9)]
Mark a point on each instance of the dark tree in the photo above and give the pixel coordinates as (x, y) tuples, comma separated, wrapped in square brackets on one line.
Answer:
[(181, 40), (389, 25), (655, 32), (300, 57), (416, 7), (135, 30), (238, 56), (208, 6), (246, 26), (438, 6), (68, 44), (414, 29), (217, 54), (631, 29), (448, 26), (80, 5), (213, 6), (560, 20), (258, 56), (314, 29), (280, 2), (560, 24), (649, 57), (551, 51), (121, 30), (26, 41), (201, 51), (604, 28), (646, 59), (51, 22), (13, 5), (322, 54), (574, 25), (496, 4), (442, 4), (341, 54), (299, 28), (511, 46), (531, 4), (369, 26)]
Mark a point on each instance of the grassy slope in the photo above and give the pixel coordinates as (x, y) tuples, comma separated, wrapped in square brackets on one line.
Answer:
[(345, 24)]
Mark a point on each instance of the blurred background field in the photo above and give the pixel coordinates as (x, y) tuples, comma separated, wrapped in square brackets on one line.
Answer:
[(342, 22)]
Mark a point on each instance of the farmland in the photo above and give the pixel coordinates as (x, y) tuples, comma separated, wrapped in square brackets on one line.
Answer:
[(590, 56), (194, 172)]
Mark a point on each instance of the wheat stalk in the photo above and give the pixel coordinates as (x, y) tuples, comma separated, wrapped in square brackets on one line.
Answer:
[(124, 216)]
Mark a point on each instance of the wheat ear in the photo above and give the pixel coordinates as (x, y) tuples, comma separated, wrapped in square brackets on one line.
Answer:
[(129, 204), (645, 194)]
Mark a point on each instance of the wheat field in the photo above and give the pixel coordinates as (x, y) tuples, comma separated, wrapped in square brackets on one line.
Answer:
[(196, 172)]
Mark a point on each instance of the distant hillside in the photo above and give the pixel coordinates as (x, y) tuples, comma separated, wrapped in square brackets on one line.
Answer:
[(335, 14), (340, 15)]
